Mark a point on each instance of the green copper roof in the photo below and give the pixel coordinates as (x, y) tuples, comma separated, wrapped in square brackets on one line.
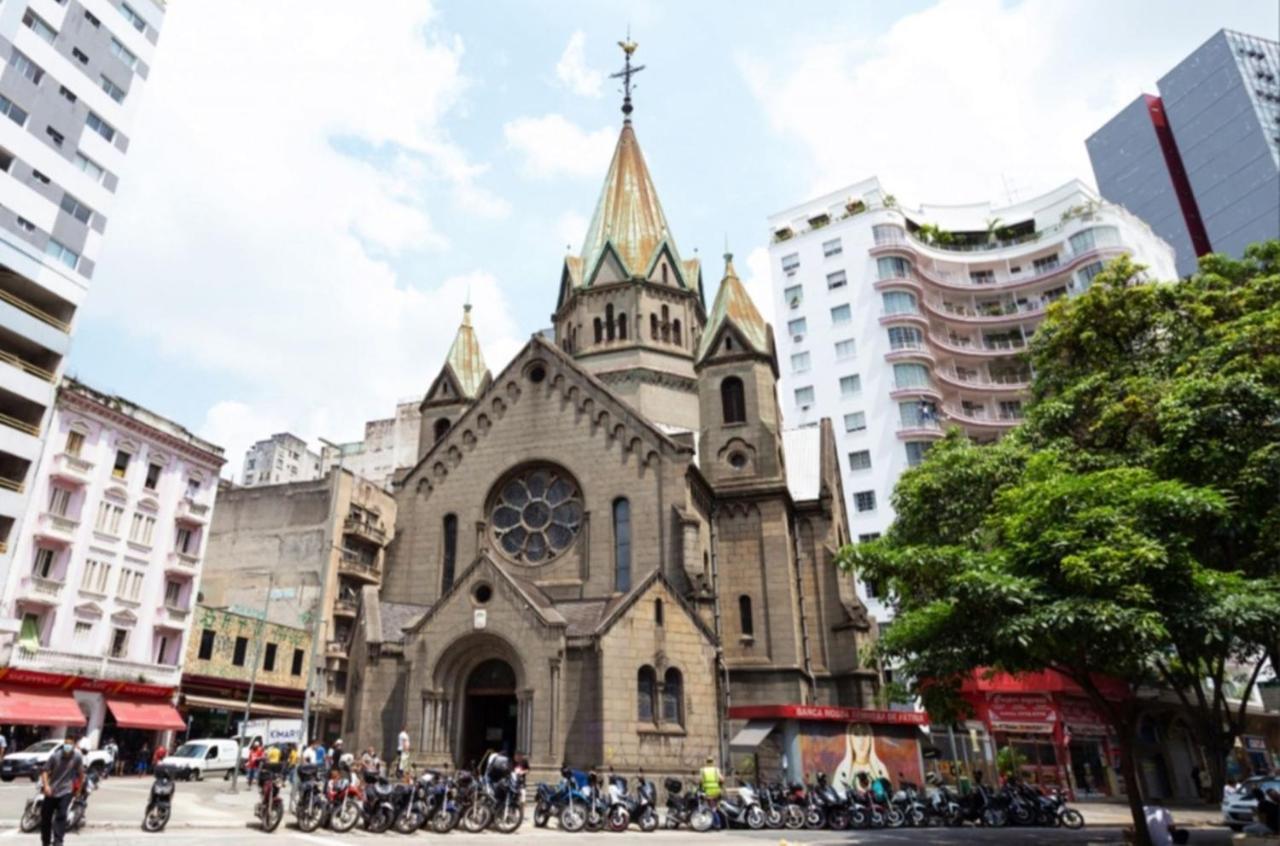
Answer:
[(733, 305), (465, 358)]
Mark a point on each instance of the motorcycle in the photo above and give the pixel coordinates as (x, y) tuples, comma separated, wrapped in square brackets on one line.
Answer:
[(908, 802), (309, 803), (826, 806), (943, 808), (505, 798), (270, 807), (344, 799), (31, 815), (80, 801), (745, 810), (377, 810), (566, 802), (642, 808), (689, 809), (160, 802)]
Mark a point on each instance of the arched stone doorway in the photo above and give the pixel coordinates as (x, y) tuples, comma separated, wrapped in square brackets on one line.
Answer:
[(490, 710)]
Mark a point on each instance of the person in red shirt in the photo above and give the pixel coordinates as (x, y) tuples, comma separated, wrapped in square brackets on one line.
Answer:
[(255, 760), (158, 756)]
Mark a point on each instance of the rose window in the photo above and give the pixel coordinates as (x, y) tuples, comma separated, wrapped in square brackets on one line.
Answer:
[(537, 514)]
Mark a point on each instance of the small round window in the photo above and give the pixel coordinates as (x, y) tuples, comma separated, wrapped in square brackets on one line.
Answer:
[(482, 594), (737, 460), (536, 514)]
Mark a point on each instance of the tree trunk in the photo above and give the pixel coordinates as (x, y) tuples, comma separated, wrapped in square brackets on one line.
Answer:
[(1129, 769), (1216, 754)]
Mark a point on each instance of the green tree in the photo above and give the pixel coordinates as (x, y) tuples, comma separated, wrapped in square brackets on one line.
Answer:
[(1129, 527)]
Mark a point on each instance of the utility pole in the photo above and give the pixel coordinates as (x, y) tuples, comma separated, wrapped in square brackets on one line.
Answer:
[(253, 679)]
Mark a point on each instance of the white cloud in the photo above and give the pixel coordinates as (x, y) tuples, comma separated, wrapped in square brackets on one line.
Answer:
[(249, 244), (955, 102), (756, 279), (552, 145), (571, 229), (572, 70)]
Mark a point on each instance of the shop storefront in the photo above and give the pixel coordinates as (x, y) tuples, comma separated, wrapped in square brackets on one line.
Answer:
[(1043, 726), (214, 707), (36, 705), (795, 742)]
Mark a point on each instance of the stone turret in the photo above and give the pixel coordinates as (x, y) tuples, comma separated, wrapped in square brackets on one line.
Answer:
[(463, 377)]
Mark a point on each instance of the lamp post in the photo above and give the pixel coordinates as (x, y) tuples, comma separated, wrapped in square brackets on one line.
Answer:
[(253, 679)]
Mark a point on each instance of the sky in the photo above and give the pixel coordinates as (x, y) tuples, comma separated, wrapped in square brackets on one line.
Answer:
[(314, 188)]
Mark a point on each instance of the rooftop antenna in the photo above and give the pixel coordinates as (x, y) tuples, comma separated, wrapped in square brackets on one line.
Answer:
[(628, 47)]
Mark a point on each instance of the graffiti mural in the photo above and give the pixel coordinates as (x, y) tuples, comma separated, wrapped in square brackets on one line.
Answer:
[(843, 750)]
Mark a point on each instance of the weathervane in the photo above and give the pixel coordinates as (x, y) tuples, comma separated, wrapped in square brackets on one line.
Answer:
[(628, 47)]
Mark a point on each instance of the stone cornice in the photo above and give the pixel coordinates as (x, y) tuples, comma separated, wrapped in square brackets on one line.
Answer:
[(72, 400)]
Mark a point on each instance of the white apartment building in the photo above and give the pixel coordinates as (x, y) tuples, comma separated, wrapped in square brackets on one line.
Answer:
[(281, 458), (389, 444), (72, 73), (107, 565), (898, 322)]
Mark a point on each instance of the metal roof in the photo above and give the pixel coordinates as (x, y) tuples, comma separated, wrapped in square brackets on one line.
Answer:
[(733, 305), (465, 358)]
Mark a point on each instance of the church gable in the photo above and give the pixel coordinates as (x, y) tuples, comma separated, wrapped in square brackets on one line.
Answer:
[(443, 390), (727, 344), (665, 269), (609, 268), (487, 588)]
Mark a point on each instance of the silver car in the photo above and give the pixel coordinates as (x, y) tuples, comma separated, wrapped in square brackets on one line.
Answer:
[(1238, 805)]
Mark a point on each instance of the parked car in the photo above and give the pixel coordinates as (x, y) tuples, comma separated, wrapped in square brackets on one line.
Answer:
[(1238, 806), (29, 762), (196, 759)]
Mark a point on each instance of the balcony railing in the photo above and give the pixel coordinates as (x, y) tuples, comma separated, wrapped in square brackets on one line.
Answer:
[(172, 614), (94, 666), (353, 564), (15, 423), (23, 305), (183, 561), (335, 648), (978, 382), (26, 366), (192, 511), (11, 485), (72, 468), (364, 529), (345, 606), (57, 526), (40, 588)]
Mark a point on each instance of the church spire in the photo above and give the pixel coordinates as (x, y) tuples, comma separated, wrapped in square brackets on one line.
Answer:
[(465, 358), (734, 307)]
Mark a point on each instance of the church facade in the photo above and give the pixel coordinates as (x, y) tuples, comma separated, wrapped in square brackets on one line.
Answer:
[(610, 542)]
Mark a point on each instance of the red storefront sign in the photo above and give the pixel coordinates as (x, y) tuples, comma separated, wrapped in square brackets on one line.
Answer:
[(36, 679), (828, 713), (1081, 718), (1021, 712)]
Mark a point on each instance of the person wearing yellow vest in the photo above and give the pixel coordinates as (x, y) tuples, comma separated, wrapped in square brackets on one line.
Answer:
[(712, 781)]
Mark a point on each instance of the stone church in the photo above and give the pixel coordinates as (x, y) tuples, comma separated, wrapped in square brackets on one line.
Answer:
[(608, 542)]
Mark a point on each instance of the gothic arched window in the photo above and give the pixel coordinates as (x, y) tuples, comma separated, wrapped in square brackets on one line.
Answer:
[(450, 552), (675, 333), (747, 624), (666, 324), (653, 326), (673, 697), (622, 326), (599, 327), (646, 694), (622, 544), (659, 618), (441, 427), (732, 400), (608, 321)]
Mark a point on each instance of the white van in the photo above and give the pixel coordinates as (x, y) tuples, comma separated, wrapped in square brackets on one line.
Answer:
[(199, 758)]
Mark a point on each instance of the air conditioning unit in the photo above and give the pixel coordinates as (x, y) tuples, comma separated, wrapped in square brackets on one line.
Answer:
[(797, 338)]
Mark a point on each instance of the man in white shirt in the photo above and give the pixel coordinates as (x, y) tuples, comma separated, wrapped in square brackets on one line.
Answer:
[(402, 746), (1159, 825)]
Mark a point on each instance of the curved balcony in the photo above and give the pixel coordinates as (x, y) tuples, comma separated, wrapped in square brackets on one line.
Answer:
[(984, 420), (976, 350), (1018, 314), (352, 564), (892, 248), (56, 527), (181, 562), (37, 590), (915, 352), (950, 377), (190, 511), (916, 392), (920, 430), (905, 283), (1068, 267), (914, 318)]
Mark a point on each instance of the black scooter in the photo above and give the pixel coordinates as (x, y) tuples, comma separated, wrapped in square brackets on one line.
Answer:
[(160, 803)]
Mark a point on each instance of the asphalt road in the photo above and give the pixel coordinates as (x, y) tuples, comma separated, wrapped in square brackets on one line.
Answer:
[(205, 813)]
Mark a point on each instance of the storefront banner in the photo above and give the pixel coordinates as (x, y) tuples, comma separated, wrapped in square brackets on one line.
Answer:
[(1021, 713), (1081, 718), (34, 678), (843, 751), (828, 713)]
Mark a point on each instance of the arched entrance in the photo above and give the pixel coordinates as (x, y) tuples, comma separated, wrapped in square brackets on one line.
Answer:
[(490, 711)]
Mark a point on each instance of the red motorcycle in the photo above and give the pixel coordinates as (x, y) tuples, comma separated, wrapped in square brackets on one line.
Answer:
[(270, 808), (346, 799)]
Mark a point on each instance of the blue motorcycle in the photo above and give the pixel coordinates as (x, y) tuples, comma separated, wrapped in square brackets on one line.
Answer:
[(569, 802)]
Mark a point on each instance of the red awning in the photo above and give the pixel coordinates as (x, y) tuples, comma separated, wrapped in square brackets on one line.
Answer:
[(133, 714), (26, 708)]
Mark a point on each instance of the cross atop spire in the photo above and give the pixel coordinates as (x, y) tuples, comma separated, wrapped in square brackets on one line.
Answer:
[(628, 47)]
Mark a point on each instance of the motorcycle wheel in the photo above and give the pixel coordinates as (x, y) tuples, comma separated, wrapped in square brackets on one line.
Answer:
[(617, 819), (773, 818), (672, 822), (30, 819), (477, 818), (814, 819), (310, 816), (444, 821), (407, 821), (541, 815), (1071, 818), (793, 817), (701, 820), (572, 819), (994, 818), (917, 817), (75, 817), (648, 820), (1020, 815), (894, 818), (858, 818), (346, 818), (595, 820), (955, 819), (155, 819), (509, 818), (838, 819), (271, 816), (379, 822)]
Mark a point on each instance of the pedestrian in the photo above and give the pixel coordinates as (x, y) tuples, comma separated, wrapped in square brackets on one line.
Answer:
[(712, 783), (294, 757), (335, 753), (144, 757), (402, 750), (64, 767), (254, 761), (113, 756), (4, 744), (159, 755), (367, 761)]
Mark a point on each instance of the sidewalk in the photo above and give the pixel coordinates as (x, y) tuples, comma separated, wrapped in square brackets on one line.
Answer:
[(1110, 812)]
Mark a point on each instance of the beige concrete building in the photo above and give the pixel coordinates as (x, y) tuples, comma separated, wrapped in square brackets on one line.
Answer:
[(602, 545), (315, 544)]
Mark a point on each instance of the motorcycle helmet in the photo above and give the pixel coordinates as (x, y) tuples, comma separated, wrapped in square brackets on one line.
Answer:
[(347, 760), (673, 785)]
